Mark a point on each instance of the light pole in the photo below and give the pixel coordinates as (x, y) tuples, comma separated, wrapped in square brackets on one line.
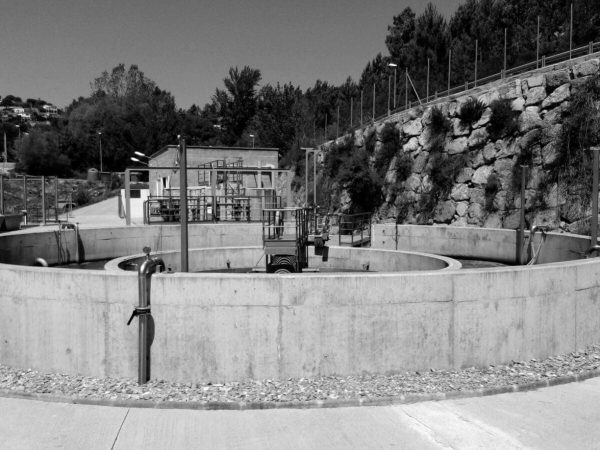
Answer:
[(252, 136), (395, 66), (19, 128), (100, 145)]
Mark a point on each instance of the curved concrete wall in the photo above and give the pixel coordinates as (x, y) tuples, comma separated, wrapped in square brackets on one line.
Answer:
[(340, 258), (216, 327)]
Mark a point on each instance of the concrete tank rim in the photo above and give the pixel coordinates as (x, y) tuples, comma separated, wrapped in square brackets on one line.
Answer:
[(452, 264)]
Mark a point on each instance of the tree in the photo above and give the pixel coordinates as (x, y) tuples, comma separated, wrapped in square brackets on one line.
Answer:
[(40, 155), (236, 105)]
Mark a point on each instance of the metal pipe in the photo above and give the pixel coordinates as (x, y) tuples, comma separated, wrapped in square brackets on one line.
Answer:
[(594, 224), (373, 117), (306, 177), (146, 323), (25, 192), (537, 46), (449, 68), (183, 206), (361, 107), (1, 194)]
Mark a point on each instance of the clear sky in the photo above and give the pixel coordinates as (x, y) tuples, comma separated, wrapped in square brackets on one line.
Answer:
[(53, 49)]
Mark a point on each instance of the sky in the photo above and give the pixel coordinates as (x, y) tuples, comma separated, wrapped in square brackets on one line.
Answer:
[(54, 49)]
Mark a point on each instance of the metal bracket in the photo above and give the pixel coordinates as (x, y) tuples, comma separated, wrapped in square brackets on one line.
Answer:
[(139, 311)]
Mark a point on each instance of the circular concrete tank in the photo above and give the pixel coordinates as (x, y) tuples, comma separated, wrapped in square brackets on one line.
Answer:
[(217, 327)]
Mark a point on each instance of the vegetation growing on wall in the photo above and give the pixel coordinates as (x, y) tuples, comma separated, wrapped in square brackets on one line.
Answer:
[(471, 111), (503, 121), (491, 189), (390, 143), (361, 182), (442, 173)]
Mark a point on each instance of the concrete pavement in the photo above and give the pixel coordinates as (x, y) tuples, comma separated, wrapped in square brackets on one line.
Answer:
[(559, 417)]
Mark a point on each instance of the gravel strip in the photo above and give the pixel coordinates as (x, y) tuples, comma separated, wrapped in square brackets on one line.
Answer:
[(369, 388)]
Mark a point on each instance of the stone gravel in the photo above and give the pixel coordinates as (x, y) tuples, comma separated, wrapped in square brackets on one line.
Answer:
[(366, 387)]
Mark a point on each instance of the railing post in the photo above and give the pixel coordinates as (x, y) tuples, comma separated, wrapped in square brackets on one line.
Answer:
[(43, 200), (594, 224)]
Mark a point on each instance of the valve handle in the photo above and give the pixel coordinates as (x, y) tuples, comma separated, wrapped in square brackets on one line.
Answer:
[(138, 311)]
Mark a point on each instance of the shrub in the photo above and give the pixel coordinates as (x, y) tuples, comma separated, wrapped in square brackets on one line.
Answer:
[(503, 121), (335, 157), (404, 165), (471, 111), (390, 142), (362, 184), (370, 142), (440, 124), (491, 189)]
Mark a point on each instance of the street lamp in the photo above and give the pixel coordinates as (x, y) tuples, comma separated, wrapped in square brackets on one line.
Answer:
[(395, 66), (252, 136), (100, 145), (138, 161), (142, 155)]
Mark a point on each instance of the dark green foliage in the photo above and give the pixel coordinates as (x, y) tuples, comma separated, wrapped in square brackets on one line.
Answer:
[(491, 189), (471, 111), (404, 165), (440, 124), (503, 121), (336, 156), (390, 142), (443, 171), (361, 182), (39, 155), (81, 196), (370, 142)]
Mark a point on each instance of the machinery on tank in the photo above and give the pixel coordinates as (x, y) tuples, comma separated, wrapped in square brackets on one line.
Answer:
[(287, 234)]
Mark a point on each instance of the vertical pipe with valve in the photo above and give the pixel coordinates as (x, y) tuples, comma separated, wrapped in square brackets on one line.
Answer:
[(143, 310)]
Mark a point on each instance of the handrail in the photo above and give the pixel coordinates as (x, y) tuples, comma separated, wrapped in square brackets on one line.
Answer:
[(543, 61)]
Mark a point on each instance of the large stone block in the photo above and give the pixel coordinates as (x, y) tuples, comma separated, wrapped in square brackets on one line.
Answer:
[(551, 133), (585, 68), (462, 208), (485, 118), (559, 95), (481, 175), (444, 212), (534, 81), (413, 183), (456, 146), (556, 78), (529, 120), (464, 175), (500, 201), (503, 165), (413, 128), (478, 137), (493, 221), (529, 139), (477, 195), (489, 152), (459, 192), (550, 153), (412, 145), (518, 104), (420, 162), (511, 90), (535, 95)]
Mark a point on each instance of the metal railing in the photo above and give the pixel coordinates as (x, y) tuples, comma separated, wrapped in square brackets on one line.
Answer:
[(590, 49), (209, 208)]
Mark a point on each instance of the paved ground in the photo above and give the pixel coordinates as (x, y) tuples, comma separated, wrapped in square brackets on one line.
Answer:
[(102, 213), (560, 417)]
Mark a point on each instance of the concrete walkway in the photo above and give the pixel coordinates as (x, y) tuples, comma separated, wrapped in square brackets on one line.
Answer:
[(559, 417)]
